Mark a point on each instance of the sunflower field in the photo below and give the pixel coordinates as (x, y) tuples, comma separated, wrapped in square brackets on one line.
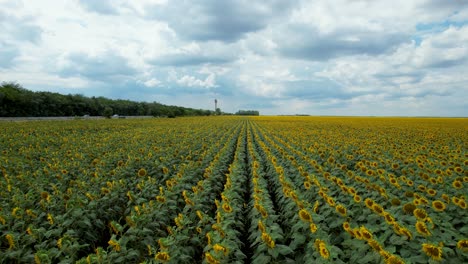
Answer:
[(234, 190)]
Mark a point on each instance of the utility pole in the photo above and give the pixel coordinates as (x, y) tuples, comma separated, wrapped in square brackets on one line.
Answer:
[(216, 104)]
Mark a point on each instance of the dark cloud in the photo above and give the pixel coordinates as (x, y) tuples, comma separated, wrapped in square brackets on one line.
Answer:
[(447, 62), (307, 43), (226, 21), (180, 60), (102, 6), (441, 6), (7, 54), (101, 68)]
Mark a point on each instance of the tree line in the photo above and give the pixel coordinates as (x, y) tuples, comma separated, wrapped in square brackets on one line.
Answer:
[(16, 101), (248, 112)]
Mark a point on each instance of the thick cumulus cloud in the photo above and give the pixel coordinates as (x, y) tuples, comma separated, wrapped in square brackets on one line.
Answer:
[(226, 21), (308, 43), (195, 54)]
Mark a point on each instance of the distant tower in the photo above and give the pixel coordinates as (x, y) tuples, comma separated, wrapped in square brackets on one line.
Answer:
[(216, 104)]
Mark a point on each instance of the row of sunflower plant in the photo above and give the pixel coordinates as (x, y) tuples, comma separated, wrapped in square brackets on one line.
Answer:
[(437, 235)]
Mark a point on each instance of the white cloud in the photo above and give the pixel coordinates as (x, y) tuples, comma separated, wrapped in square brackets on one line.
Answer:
[(191, 81), (320, 57), (152, 82)]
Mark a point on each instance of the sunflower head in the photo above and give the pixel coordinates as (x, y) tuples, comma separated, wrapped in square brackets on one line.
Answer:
[(378, 209), (432, 251), (422, 228), (409, 208), (227, 208), (142, 172), (369, 202), (366, 234), (210, 259), (162, 256), (341, 209), (357, 198), (463, 245), (438, 205), (420, 213), (396, 202), (374, 245), (457, 184), (305, 216)]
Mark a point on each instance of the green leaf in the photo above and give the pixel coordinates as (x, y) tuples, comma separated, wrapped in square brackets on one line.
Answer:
[(261, 259), (284, 250)]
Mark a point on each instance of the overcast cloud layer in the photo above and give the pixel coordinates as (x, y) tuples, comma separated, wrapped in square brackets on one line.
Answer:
[(322, 57)]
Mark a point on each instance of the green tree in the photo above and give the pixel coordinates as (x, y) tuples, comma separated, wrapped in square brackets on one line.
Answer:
[(107, 112)]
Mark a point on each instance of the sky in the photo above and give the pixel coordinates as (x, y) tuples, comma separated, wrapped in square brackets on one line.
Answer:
[(321, 57)]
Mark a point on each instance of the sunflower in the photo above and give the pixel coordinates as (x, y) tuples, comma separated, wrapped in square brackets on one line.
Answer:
[(420, 213), (378, 209), (394, 260), (432, 251), (409, 208), (346, 226), (307, 185), (161, 199), (406, 232), (438, 205), (210, 259), (462, 204), (227, 208), (389, 218), (369, 202), (431, 192), (115, 245), (446, 198), (463, 245), (50, 219), (374, 245), (357, 198), (220, 248), (305, 216), (422, 228), (341, 209), (322, 248), (457, 184), (316, 207), (268, 240), (142, 172), (366, 234), (261, 226), (11, 241), (313, 228), (162, 256), (395, 202)]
